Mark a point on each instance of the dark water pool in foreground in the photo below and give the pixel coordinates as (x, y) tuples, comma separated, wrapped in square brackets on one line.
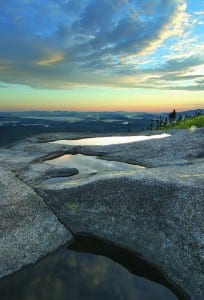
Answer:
[(69, 275)]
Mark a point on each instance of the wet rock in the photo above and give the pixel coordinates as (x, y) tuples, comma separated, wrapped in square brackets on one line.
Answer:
[(61, 172), (34, 174)]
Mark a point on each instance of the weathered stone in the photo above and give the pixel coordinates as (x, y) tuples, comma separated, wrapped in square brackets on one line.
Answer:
[(182, 148), (155, 212), (61, 172), (37, 173), (28, 228), (162, 221)]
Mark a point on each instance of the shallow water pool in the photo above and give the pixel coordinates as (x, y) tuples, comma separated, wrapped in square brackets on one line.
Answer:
[(67, 275), (110, 140)]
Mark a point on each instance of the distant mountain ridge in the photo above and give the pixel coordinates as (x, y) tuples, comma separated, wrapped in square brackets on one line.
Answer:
[(67, 112), (192, 112)]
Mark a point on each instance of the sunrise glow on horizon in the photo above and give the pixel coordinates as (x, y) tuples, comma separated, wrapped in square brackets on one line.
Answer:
[(100, 55)]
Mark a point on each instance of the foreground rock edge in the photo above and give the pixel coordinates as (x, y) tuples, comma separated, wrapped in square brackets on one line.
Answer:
[(28, 228)]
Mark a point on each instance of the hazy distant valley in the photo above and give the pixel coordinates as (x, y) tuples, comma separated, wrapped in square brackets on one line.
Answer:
[(18, 125)]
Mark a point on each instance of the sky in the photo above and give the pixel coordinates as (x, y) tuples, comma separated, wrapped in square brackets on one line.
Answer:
[(109, 55)]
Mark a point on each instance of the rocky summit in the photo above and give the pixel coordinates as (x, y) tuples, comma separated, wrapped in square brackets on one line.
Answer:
[(146, 197)]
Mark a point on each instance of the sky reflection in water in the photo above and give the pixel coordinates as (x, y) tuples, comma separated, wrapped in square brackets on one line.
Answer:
[(67, 275), (90, 164), (110, 140)]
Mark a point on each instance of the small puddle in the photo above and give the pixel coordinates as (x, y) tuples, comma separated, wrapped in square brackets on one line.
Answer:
[(110, 140), (89, 166), (68, 275), (93, 166), (132, 262)]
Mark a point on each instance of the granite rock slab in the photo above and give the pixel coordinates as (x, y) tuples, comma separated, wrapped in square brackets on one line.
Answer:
[(28, 228), (156, 212)]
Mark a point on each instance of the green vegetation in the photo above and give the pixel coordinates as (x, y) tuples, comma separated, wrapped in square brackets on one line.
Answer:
[(72, 206), (187, 123)]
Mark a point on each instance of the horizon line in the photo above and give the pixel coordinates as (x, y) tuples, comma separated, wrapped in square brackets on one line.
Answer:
[(95, 111)]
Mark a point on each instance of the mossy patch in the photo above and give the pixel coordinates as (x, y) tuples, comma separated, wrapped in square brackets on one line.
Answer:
[(72, 206)]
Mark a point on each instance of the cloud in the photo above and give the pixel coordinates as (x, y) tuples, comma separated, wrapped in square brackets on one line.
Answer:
[(3, 86), (178, 74), (182, 64), (59, 44), (199, 13), (50, 60)]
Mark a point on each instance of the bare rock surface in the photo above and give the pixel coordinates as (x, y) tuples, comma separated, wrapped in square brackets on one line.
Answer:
[(181, 148), (156, 212), (161, 220), (28, 228)]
